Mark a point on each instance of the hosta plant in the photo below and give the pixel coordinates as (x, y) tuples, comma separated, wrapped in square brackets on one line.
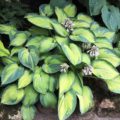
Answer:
[(49, 62)]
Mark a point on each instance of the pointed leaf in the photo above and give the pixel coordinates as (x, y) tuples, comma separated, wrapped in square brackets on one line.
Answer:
[(11, 73), (11, 95), (66, 105), (104, 70), (28, 57)]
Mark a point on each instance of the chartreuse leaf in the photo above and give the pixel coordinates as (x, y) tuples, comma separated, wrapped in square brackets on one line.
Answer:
[(40, 81), (51, 68), (28, 57), (46, 10), (80, 24), (104, 70), (6, 28), (15, 50), (28, 112), (66, 81), (52, 83), (66, 105), (46, 44), (61, 40), (10, 60), (85, 18), (85, 100), (31, 96), (35, 41), (61, 15), (86, 59), (103, 43), (60, 30), (19, 38), (77, 87), (12, 95), (111, 17), (73, 53), (11, 73), (25, 79), (110, 56), (48, 100), (114, 84), (70, 10), (52, 63), (82, 35), (104, 32), (40, 21), (3, 51)]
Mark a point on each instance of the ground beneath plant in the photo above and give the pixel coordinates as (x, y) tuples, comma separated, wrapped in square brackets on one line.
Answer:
[(107, 107)]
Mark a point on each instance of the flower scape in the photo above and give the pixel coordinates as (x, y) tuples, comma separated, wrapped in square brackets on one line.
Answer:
[(49, 62)]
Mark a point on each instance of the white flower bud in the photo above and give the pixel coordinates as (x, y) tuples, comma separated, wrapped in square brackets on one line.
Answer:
[(87, 70), (94, 51), (68, 24), (64, 67)]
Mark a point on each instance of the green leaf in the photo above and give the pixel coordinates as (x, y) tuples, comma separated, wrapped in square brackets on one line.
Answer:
[(86, 59), (15, 50), (60, 30), (40, 81), (46, 10), (11, 73), (31, 96), (104, 70), (70, 10), (110, 56), (111, 17), (61, 15), (104, 33), (28, 57), (85, 100), (60, 3), (61, 40), (85, 18), (35, 41), (103, 43), (66, 105), (46, 44), (73, 53), (66, 81), (82, 35), (10, 60), (95, 6), (3, 51), (25, 79), (114, 85), (77, 87), (6, 29), (52, 83), (19, 38), (11, 95), (80, 24), (51, 68), (28, 113), (49, 100), (40, 21)]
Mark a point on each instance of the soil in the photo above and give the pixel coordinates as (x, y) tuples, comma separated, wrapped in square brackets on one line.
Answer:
[(107, 106)]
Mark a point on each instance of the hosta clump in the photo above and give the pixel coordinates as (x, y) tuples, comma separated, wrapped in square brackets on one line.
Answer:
[(56, 54)]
